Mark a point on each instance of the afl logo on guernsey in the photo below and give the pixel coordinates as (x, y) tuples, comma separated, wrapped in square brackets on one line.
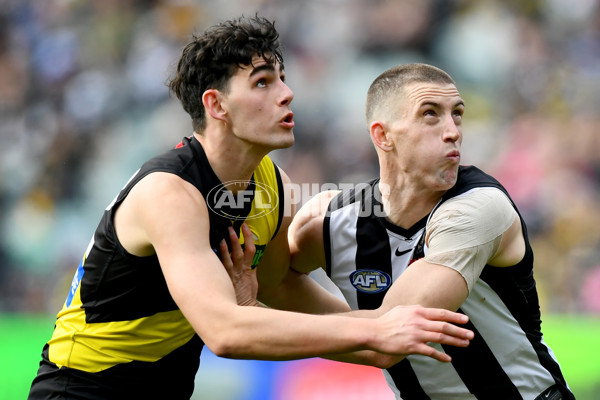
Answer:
[(222, 200), (370, 280)]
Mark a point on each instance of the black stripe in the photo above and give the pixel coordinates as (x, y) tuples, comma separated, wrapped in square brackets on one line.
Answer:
[(407, 382), (130, 291), (521, 301), (552, 366), (489, 382), (132, 380), (327, 244), (205, 179), (335, 203), (372, 248), (407, 233), (240, 217), (281, 193)]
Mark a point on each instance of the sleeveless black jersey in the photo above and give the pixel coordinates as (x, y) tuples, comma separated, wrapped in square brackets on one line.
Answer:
[(507, 359), (120, 333)]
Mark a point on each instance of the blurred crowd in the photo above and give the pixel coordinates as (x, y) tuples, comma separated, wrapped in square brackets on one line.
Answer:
[(83, 102)]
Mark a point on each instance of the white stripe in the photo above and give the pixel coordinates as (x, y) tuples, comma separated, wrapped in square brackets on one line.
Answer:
[(342, 234), (391, 384), (439, 380), (506, 340)]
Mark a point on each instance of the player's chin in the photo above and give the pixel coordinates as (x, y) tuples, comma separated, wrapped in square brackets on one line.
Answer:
[(448, 179), (285, 141)]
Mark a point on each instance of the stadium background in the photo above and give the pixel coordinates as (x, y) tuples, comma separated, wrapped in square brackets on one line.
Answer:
[(83, 103)]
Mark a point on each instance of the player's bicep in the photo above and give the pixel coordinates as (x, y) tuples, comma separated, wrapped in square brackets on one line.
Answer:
[(428, 285), (463, 235), (466, 231), (194, 274)]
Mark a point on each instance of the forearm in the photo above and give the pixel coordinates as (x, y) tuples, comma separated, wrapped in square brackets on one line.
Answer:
[(267, 334), (299, 292), (366, 357)]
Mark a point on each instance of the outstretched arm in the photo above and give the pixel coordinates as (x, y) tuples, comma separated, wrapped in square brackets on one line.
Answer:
[(306, 237), (175, 227), (419, 325)]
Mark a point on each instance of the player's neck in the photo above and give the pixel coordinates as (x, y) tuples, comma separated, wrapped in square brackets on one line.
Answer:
[(406, 202), (230, 160)]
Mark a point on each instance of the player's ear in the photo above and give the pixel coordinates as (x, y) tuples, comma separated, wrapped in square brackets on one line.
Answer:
[(380, 136), (212, 100)]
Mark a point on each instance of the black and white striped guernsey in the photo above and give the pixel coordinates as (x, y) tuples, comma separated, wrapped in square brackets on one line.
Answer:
[(507, 359)]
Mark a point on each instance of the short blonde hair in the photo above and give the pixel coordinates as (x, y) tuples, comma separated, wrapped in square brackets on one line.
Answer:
[(393, 81)]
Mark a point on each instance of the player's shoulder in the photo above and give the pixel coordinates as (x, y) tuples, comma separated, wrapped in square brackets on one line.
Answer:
[(364, 192), (485, 198), (485, 210), (317, 206), (470, 177)]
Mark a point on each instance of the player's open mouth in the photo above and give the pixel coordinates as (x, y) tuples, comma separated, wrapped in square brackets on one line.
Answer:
[(288, 120)]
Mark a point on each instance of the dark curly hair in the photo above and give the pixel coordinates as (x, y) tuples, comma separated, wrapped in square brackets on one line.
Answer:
[(212, 58)]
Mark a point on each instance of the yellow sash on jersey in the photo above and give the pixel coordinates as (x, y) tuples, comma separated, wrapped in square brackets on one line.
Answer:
[(94, 347)]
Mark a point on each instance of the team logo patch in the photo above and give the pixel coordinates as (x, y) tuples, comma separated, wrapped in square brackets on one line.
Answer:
[(370, 280)]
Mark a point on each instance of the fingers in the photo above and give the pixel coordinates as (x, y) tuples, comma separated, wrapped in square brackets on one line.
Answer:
[(238, 254), (249, 247), (225, 258), (236, 248), (443, 320), (432, 352), (424, 338), (439, 328), (238, 264), (436, 334), (440, 314), (419, 327)]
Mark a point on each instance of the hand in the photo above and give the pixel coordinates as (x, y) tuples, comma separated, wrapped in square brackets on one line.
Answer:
[(239, 266), (408, 329)]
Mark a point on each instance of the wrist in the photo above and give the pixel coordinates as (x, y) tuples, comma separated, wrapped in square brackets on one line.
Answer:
[(252, 303), (369, 333)]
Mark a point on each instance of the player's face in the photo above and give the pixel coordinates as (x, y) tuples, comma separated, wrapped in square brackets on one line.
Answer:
[(429, 133), (258, 105)]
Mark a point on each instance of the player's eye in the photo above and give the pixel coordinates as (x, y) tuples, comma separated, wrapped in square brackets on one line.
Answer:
[(261, 83)]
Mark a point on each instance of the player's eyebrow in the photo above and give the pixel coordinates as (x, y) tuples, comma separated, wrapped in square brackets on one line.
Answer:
[(437, 105), (264, 67)]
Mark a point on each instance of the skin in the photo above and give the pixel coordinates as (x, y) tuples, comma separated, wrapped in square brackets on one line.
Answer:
[(421, 152), (244, 123), (418, 145)]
